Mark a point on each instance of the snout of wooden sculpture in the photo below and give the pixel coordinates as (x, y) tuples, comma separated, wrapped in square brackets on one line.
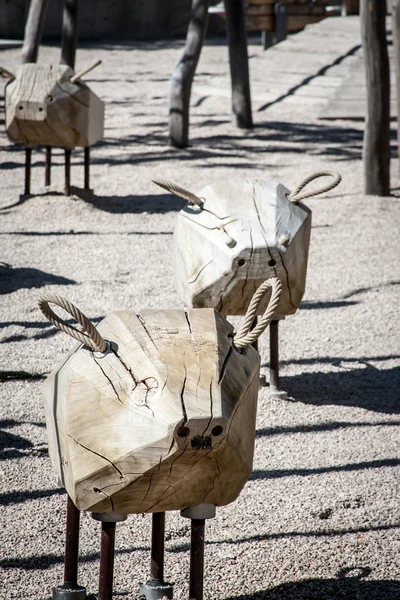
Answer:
[(234, 234), (45, 106), (162, 418)]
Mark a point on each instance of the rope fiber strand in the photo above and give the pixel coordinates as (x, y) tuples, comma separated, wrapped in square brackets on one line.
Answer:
[(89, 336), (295, 195), (247, 336)]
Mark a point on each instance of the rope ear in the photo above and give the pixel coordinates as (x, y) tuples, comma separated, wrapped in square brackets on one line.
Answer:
[(178, 191), (89, 336), (247, 336), (295, 195)]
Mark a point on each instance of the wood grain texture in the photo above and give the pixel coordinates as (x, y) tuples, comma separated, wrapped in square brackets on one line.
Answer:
[(44, 108), (376, 147), (164, 421), (247, 232)]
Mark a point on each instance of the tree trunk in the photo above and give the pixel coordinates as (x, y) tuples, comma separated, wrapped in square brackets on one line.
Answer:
[(69, 39), (182, 78), (34, 30), (239, 64), (376, 149), (396, 43)]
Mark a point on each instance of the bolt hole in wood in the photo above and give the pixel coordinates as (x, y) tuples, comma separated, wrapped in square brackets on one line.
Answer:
[(21, 107), (40, 109), (217, 430), (241, 262), (272, 262), (183, 432)]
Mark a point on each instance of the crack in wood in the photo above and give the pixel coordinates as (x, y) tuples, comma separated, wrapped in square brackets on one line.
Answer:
[(264, 233), (108, 379), (225, 364), (200, 272), (97, 454)]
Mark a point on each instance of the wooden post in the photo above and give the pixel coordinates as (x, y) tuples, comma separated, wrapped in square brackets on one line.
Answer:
[(376, 149), (396, 43), (182, 78), (34, 30), (239, 64), (350, 7), (69, 32)]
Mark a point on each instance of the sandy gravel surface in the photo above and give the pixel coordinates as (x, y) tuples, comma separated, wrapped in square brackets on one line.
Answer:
[(319, 518)]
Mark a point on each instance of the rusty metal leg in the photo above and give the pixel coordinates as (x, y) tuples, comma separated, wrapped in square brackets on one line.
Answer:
[(196, 559), (156, 588), (198, 514), (28, 165), (67, 186), (106, 561), (275, 391), (262, 379), (86, 167), (47, 168), (108, 521), (70, 590)]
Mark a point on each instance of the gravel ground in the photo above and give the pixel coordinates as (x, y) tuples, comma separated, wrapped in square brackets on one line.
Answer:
[(319, 518)]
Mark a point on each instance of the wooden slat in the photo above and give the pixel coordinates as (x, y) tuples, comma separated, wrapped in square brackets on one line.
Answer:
[(294, 23)]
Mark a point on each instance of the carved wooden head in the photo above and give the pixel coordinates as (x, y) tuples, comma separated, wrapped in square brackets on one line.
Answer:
[(43, 107), (242, 232), (163, 420)]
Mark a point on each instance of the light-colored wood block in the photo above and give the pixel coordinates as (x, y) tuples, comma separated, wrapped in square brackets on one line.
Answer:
[(44, 108), (164, 421), (247, 232)]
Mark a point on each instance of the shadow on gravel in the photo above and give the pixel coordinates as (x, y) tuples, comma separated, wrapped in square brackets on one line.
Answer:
[(16, 446), (16, 278), (49, 332), (365, 387), (154, 203), (18, 497), (347, 588)]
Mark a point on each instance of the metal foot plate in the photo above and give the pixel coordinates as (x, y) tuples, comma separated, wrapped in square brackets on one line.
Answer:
[(69, 592), (155, 590)]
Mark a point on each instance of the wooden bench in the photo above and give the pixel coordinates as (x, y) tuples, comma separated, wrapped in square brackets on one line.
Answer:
[(275, 18)]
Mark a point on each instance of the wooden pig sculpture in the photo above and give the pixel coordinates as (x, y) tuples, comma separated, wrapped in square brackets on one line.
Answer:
[(154, 412), (48, 105), (234, 234)]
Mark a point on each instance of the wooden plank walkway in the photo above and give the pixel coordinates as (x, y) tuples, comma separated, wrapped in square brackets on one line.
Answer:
[(314, 71), (350, 99)]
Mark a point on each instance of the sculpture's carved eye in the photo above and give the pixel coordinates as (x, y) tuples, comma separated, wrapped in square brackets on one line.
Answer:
[(272, 262), (20, 107), (241, 262), (40, 109), (217, 430), (183, 431)]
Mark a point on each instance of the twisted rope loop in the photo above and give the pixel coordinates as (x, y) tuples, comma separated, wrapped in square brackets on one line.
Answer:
[(295, 195), (247, 336), (89, 336), (179, 191)]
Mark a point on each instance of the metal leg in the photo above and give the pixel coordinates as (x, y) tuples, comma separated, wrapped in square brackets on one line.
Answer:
[(196, 559), (47, 169), (87, 167), (28, 164), (70, 590), (275, 392), (156, 588), (67, 187), (108, 521), (106, 561), (197, 514)]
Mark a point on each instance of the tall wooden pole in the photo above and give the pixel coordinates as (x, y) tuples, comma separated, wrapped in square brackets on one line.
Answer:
[(34, 30), (69, 38), (182, 78), (239, 63), (376, 149), (396, 43)]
